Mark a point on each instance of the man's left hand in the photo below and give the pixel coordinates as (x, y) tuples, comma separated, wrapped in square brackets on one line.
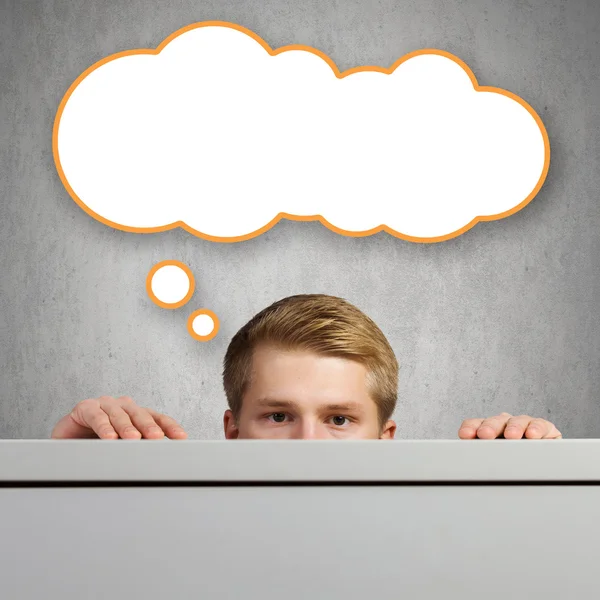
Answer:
[(509, 427)]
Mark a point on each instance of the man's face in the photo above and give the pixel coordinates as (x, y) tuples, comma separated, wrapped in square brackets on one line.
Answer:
[(301, 395)]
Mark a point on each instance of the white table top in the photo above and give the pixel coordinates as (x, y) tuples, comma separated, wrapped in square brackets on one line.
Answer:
[(281, 462)]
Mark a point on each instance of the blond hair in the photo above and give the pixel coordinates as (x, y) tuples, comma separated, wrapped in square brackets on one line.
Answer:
[(321, 324)]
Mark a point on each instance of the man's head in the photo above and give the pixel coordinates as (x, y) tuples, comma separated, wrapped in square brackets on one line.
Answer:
[(310, 366)]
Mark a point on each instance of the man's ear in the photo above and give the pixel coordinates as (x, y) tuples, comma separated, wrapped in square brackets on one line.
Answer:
[(230, 427), (388, 431)]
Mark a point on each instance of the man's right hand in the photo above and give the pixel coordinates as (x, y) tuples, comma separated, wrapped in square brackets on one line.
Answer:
[(113, 418)]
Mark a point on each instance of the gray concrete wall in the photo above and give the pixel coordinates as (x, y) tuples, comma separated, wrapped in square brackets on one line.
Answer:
[(504, 318)]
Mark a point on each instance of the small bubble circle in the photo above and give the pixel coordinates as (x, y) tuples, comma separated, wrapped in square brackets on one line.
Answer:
[(170, 284), (203, 325)]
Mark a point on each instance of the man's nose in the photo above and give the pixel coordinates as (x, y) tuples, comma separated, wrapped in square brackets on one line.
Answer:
[(310, 430)]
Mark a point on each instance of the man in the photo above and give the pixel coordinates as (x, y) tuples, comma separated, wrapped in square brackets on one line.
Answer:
[(306, 367)]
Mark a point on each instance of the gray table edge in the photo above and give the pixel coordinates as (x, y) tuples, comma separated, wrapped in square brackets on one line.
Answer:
[(299, 461)]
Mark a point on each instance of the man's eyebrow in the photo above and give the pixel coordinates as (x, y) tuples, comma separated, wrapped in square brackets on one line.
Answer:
[(338, 406), (346, 406), (273, 403)]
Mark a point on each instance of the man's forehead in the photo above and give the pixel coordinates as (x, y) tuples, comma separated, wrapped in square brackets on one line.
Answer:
[(266, 355), (315, 381)]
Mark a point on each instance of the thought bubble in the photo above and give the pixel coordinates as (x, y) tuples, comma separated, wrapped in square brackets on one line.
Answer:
[(217, 133), (170, 284), (203, 325)]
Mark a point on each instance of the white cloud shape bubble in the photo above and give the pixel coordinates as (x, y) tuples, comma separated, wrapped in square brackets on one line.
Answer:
[(217, 133)]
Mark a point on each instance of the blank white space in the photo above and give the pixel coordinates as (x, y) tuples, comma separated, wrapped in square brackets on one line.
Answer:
[(217, 133), (170, 284), (203, 325)]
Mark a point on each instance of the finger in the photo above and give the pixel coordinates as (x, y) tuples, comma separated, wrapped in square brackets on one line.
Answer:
[(170, 426), (89, 414), (554, 434), (74, 426), (468, 429), (142, 419), (119, 418), (516, 427), (67, 428), (493, 427), (538, 429)]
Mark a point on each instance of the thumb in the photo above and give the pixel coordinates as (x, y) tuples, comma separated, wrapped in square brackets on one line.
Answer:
[(68, 428)]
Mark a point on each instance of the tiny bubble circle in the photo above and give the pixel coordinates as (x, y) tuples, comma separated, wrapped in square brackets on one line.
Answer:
[(203, 325)]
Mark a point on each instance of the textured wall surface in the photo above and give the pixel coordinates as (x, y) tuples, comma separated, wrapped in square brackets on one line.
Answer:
[(503, 318)]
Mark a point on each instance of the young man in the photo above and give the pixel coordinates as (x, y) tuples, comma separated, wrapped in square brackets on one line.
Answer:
[(306, 367)]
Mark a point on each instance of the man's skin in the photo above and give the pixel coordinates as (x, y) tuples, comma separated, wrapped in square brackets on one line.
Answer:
[(292, 395)]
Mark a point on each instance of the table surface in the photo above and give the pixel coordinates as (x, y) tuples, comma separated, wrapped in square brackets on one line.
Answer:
[(452, 519), (299, 461)]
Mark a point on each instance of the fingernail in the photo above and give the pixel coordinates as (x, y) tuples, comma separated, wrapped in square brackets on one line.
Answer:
[(486, 429), (154, 429)]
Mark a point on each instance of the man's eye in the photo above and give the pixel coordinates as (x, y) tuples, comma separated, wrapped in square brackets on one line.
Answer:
[(278, 417), (339, 420)]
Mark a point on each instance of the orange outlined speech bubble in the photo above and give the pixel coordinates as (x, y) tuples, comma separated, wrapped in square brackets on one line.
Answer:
[(219, 134)]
